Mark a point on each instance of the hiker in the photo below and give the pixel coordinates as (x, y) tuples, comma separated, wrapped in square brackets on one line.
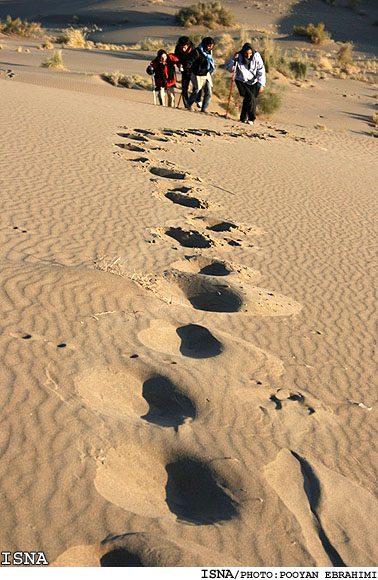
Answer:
[(250, 80), (183, 49), (201, 66), (163, 68)]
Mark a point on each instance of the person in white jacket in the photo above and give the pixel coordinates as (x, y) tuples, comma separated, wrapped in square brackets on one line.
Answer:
[(250, 79)]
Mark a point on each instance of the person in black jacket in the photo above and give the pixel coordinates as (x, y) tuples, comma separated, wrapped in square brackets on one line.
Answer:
[(183, 50), (201, 65)]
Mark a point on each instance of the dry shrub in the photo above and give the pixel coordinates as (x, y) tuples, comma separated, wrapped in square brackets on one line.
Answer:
[(344, 55), (111, 265), (317, 34), (47, 45), (75, 38), (374, 118), (323, 63), (18, 27), (210, 14), (55, 60), (226, 45), (129, 81), (152, 44), (273, 56)]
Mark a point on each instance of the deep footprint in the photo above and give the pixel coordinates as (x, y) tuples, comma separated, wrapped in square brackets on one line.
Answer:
[(216, 299), (215, 269), (194, 495), (222, 227), (133, 137), (198, 342), (186, 200), (167, 173), (130, 147), (168, 407), (120, 558), (188, 239)]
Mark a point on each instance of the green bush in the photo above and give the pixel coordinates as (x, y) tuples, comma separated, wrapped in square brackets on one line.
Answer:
[(299, 68), (270, 100), (18, 27), (317, 34), (221, 88), (210, 14)]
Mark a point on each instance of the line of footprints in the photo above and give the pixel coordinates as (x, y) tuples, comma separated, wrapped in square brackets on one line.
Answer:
[(192, 489)]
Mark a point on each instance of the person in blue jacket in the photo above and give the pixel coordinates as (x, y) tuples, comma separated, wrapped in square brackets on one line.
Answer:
[(250, 79)]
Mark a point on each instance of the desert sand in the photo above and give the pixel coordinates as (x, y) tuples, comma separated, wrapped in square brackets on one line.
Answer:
[(187, 307)]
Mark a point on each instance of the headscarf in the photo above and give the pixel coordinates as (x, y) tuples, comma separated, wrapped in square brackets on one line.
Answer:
[(246, 46), (208, 55)]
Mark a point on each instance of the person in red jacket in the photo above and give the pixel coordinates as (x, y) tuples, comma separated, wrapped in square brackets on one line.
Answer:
[(163, 68)]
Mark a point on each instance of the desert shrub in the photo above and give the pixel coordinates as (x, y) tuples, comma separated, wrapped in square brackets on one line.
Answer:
[(274, 57), (55, 60), (47, 45), (110, 265), (18, 27), (344, 55), (270, 100), (129, 81), (74, 38), (299, 67), (210, 14), (152, 44), (317, 34), (226, 45), (322, 63), (221, 88), (374, 118)]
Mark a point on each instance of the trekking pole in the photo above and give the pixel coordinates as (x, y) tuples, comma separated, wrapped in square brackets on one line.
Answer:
[(153, 90), (232, 82), (182, 88)]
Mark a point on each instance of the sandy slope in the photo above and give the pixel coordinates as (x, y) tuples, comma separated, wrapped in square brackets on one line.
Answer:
[(214, 403)]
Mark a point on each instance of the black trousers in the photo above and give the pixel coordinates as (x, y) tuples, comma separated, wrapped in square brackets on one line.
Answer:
[(249, 94)]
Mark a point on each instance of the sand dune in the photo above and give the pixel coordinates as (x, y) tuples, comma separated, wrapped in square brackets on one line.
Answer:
[(187, 314)]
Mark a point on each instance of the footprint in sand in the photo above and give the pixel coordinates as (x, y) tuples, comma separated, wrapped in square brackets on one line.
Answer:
[(191, 340), (194, 495), (159, 483), (208, 294), (168, 173), (138, 393), (282, 397), (188, 238), (208, 266), (143, 549), (130, 147), (133, 137), (181, 196)]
